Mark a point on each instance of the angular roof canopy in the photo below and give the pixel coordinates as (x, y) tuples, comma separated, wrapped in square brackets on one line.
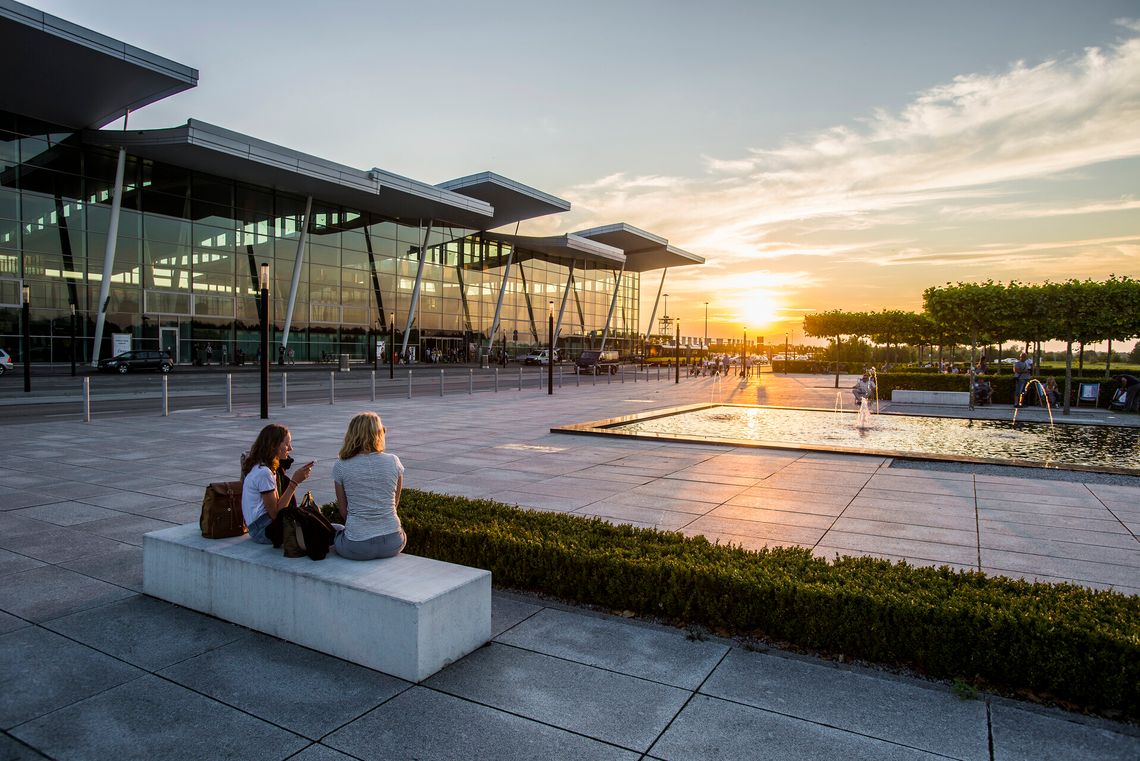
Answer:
[(643, 250), (62, 73), (568, 246), (512, 200), (207, 148)]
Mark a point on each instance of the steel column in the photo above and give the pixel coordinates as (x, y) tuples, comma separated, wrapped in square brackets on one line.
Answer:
[(109, 255), (298, 261)]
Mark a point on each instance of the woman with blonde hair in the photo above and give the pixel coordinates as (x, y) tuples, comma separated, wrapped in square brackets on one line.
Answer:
[(368, 482), (260, 497)]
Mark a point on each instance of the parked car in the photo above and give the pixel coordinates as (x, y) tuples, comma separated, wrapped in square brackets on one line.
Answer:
[(595, 362), (5, 362), (130, 361), (542, 357)]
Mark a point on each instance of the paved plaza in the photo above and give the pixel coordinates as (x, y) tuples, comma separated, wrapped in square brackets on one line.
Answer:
[(91, 668)]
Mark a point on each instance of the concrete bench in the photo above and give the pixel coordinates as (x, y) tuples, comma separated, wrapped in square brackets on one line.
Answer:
[(943, 398), (407, 616)]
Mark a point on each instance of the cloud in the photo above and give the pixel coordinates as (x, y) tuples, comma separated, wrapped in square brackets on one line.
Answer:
[(947, 156)]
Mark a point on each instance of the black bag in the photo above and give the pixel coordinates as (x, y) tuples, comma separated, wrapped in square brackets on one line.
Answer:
[(221, 511), (305, 531)]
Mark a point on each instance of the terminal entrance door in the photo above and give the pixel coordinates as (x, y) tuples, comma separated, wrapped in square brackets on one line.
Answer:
[(168, 341)]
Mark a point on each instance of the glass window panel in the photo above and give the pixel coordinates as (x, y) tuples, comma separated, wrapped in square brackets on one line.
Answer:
[(356, 315), (213, 306), (167, 302)]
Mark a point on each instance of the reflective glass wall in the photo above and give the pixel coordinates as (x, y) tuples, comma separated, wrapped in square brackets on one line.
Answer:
[(189, 246)]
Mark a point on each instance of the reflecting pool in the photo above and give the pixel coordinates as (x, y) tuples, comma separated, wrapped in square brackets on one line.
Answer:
[(1085, 447)]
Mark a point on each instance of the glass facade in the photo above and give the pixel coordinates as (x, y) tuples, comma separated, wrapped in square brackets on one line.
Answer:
[(189, 246)]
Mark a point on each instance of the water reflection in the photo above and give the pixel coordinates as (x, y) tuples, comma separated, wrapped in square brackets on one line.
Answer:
[(1060, 445)]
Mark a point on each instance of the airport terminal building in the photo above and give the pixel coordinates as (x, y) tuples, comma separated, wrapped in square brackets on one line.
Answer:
[(159, 237)]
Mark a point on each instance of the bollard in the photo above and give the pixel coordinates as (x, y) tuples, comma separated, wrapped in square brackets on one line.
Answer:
[(635, 369), (86, 400), (373, 385), (577, 377), (496, 380), (623, 373), (229, 392), (409, 383), (441, 382), (609, 376), (594, 376), (284, 389), (165, 397), (332, 387), (470, 381), (520, 377), (560, 376)]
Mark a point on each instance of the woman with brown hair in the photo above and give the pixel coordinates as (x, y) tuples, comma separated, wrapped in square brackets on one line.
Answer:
[(260, 499), (368, 482)]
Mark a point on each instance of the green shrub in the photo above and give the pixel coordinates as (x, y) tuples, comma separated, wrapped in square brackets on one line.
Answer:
[(1064, 641)]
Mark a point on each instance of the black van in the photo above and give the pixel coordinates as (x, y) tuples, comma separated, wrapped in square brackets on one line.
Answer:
[(595, 362)]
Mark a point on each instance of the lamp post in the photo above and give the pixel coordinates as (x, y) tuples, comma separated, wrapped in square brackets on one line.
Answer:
[(550, 351), (392, 348), (706, 328), (677, 353), (26, 301), (264, 341), (73, 340), (785, 353), (744, 355)]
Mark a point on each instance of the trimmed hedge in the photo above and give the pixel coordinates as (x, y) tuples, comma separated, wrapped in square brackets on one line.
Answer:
[(1057, 641), (1002, 385)]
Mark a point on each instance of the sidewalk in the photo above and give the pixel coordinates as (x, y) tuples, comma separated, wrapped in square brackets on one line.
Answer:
[(93, 669)]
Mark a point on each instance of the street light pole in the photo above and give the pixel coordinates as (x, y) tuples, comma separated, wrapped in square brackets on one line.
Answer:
[(392, 348), (706, 326), (73, 340), (677, 352), (744, 355), (550, 352), (264, 341), (785, 353), (26, 301)]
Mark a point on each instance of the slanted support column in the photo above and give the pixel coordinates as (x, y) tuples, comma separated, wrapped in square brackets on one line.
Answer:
[(613, 303), (109, 255), (416, 289), (499, 303), (653, 314), (298, 260), (565, 298)]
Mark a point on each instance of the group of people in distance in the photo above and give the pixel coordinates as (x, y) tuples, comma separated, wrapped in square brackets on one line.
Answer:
[(368, 482)]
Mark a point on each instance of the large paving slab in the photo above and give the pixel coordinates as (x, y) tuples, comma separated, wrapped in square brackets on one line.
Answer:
[(838, 697), (150, 718), (458, 729), (604, 705)]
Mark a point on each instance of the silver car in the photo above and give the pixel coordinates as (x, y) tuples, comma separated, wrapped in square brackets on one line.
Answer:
[(5, 362)]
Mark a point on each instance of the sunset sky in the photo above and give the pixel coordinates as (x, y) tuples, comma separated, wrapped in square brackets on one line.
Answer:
[(819, 155)]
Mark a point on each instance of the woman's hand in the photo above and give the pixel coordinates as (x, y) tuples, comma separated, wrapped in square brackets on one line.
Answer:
[(302, 473)]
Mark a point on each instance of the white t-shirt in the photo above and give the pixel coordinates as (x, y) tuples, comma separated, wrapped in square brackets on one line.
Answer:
[(369, 482), (260, 479)]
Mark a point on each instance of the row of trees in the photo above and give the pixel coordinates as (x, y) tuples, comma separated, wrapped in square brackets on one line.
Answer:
[(979, 314)]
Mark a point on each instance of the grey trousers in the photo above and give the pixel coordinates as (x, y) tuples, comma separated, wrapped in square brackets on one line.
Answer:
[(384, 546)]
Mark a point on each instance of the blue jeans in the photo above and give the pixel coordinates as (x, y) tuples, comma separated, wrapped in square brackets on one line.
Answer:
[(257, 529)]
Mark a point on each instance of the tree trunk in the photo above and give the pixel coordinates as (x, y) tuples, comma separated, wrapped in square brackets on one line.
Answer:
[(838, 344), (999, 357), (1081, 360), (1108, 362), (1068, 373)]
